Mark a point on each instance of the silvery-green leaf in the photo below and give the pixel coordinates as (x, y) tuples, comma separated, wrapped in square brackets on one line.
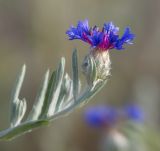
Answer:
[(75, 74), (53, 89), (37, 107), (15, 102), (81, 100), (23, 128), (21, 107), (28, 126), (68, 97), (60, 99), (57, 97), (68, 86), (79, 84), (56, 87), (47, 95), (64, 93)]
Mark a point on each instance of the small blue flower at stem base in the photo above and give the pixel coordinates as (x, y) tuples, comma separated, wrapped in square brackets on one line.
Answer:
[(100, 116), (134, 113), (105, 39)]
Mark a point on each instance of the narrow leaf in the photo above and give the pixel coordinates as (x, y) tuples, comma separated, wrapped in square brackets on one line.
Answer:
[(21, 107), (37, 107), (15, 97), (53, 91), (47, 95), (75, 74), (65, 94), (56, 87)]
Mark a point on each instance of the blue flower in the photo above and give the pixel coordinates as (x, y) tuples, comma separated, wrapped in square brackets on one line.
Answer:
[(105, 39), (134, 112), (100, 116)]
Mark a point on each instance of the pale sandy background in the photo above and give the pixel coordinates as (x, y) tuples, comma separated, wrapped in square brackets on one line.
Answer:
[(33, 32)]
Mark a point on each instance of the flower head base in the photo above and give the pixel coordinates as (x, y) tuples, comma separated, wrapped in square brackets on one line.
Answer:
[(102, 63), (105, 39)]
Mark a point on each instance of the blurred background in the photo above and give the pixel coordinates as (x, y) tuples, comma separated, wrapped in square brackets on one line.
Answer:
[(33, 32)]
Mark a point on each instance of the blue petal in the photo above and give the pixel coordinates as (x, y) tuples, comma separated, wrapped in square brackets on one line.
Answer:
[(83, 26), (112, 32), (110, 27), (73, 33), (127, 36), (96, 38), (125, 39), (77, 32), (113, 38)]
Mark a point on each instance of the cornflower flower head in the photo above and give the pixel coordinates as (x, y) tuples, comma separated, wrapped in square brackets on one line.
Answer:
[(100, 41)]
